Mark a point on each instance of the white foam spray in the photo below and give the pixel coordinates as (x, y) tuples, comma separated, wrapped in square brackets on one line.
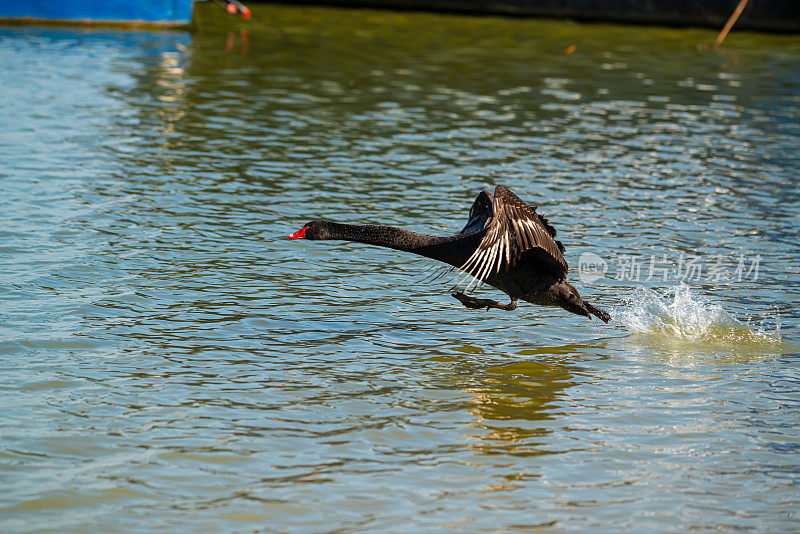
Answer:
[(681, 314)]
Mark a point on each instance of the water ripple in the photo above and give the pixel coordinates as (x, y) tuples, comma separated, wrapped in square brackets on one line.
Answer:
[(171, 361)]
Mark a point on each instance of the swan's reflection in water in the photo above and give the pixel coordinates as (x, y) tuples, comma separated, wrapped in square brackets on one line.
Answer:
[(516, 405)]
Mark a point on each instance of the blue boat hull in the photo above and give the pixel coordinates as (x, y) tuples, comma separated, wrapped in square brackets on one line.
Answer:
[(168, 12)]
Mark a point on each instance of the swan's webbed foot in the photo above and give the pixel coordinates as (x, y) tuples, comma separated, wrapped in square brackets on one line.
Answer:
[(472, 302)]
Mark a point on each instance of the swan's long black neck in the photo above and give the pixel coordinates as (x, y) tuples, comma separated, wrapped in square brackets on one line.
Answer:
[(454, 250)]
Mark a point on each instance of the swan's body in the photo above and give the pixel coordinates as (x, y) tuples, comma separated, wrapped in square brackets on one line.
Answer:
[(505, 244)]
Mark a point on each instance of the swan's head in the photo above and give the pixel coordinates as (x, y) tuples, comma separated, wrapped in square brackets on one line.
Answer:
[(311, 230)]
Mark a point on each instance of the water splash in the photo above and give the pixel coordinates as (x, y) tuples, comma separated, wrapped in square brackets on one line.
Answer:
[(680, 314)]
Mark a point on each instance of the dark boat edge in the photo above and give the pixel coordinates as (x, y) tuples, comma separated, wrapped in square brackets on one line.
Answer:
[(779, 16)]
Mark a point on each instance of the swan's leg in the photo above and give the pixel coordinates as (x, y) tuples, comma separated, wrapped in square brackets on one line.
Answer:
[(472, 302)]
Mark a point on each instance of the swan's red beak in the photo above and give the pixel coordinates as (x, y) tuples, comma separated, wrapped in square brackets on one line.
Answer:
[(300, 234)]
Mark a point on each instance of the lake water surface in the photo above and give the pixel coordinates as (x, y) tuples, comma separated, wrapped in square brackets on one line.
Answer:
[(170, 361)]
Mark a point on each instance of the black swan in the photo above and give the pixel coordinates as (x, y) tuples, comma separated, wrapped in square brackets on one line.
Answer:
[(505, 244)]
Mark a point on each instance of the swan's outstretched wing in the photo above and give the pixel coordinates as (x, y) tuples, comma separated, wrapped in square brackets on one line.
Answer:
[(513, 229), (480, 214)]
